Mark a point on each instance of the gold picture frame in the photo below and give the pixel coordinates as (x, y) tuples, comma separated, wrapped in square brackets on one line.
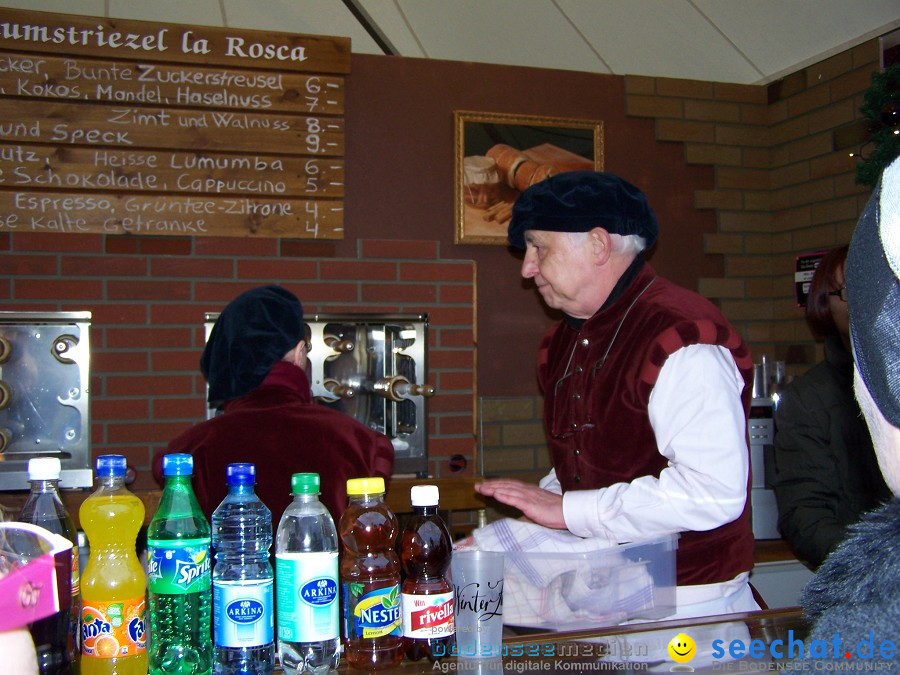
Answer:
[(498, 155)]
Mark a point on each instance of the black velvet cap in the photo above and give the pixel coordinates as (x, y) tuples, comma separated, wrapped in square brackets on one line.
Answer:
[(579, 201), (253, 332), (872, 277)]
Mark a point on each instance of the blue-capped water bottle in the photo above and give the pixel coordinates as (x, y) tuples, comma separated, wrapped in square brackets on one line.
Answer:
[(179, 577), (306, 582), (242, 578)]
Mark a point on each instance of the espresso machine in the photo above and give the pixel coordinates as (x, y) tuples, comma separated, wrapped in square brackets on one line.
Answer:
[(767, 382), (373, 368)]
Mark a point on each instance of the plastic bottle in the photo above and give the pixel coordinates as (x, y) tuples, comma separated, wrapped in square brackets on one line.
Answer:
[(242, 578), (370, 578), (306, 578), (113, 586), (55, 637), (426, 595), (180, 581)]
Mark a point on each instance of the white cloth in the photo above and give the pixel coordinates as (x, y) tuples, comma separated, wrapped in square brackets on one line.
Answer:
[(699, 422)]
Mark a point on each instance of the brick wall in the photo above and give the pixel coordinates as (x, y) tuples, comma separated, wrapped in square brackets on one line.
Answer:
[(148, 296), (784, 186)]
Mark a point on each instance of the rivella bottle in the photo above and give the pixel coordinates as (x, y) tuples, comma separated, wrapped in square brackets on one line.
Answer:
[(426, 594)]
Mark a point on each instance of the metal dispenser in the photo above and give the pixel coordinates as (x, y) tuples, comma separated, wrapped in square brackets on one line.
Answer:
[(372, 367), (45, 395)]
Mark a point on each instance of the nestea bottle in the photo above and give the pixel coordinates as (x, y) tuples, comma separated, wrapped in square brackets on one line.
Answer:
[(370, 578)]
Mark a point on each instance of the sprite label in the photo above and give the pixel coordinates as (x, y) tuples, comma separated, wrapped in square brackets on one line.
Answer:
[(176, 569)]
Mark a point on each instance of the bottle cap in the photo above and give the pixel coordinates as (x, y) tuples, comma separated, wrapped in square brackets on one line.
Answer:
[(44, 468), (111, 465), (178, 464), (365, 486), (240, 474), (305, 484), (424, 495)]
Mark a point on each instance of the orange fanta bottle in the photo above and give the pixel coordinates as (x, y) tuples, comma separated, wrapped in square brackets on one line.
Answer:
[(113, 585)]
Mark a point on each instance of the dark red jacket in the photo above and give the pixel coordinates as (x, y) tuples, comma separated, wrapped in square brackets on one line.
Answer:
[(597, 383), (279, 428)]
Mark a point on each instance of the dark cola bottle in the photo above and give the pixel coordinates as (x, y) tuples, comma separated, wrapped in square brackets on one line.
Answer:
[(426, 595)]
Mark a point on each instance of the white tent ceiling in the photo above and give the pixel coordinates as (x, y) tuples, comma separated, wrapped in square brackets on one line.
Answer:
[(742, 41)]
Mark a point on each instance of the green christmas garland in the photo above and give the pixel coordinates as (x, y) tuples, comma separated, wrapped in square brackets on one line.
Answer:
[(881, 107)]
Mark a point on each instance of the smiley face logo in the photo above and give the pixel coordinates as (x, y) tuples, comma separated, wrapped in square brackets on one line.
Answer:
[(682, 648)]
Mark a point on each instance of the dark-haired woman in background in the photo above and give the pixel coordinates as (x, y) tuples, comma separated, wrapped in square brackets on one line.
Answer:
[(826, 472)]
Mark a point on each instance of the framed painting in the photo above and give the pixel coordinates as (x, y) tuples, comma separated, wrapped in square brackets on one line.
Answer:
[(497, 156)]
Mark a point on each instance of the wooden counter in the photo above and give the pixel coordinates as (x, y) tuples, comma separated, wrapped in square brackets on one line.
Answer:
[(457, 494), (634, 647)]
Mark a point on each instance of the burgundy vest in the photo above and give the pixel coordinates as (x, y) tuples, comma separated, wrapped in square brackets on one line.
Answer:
[(597, 383)]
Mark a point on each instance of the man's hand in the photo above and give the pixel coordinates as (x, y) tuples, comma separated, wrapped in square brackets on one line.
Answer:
[(539, 505)]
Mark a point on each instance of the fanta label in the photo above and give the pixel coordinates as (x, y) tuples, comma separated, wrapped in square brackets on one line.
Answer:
[(113, 629), (373, 614), (174, 571), (428, 616)]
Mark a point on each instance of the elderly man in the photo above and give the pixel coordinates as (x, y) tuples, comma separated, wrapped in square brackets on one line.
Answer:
[(255, 365), (855, 596), (646, 393)]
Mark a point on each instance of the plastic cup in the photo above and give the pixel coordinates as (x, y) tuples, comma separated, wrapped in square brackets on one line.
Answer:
[(478, 591)]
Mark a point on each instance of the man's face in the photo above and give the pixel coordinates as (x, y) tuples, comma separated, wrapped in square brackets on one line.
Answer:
[(564, 270)]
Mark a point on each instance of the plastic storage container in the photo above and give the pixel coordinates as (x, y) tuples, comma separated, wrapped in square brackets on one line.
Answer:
[(601, 587)]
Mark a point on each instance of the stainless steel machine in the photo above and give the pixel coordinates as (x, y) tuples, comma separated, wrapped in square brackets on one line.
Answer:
[(373, 368), (45, 395), (762, 464)]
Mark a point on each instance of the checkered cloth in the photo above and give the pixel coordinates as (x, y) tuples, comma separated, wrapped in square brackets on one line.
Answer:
[(554, 579)]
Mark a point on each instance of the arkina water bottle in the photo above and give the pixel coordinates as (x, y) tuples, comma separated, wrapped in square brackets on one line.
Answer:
[(113, 586), (242, 578), (55, 637), (179, 575), (370, 578), (426, 595), (306, 578)]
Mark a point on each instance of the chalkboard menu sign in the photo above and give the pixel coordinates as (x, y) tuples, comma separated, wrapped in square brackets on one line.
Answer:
[(111, 126)]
